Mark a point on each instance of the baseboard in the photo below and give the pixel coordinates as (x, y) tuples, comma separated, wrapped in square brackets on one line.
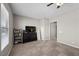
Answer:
[(9, 51), (69, 44)]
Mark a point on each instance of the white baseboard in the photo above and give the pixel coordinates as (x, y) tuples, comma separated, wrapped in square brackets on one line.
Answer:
[(69, 44), (9, 51)]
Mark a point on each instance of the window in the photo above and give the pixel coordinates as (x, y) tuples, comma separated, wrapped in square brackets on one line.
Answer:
[(4, 27)]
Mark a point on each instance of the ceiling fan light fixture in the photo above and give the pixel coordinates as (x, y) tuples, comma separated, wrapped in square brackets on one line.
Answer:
[(59, 4)]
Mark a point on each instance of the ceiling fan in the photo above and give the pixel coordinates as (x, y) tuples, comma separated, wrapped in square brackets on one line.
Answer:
[(58, 5)]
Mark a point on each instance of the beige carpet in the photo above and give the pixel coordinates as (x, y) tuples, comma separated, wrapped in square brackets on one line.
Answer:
[(43, 48)]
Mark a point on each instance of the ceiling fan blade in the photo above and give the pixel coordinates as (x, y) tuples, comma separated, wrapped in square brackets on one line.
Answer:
[(58, 6), (50, 4)]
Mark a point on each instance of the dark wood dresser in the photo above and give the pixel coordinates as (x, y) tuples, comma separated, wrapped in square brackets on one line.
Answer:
[(29, 36)]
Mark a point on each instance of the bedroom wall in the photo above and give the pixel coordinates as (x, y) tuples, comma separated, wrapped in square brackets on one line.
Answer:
[(20, 22), (68, 28), (45, 29), (42, 25), (7, 49)]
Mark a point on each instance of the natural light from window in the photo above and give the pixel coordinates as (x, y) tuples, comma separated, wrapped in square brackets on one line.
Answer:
[(4, 27)]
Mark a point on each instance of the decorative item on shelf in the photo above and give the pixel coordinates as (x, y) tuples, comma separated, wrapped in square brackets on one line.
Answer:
[(18, 36)]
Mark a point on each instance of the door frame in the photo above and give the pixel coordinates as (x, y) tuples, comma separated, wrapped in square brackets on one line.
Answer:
[(50, 28)]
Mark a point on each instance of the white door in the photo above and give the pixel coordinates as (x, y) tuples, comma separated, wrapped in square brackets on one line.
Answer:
[(53, 31)]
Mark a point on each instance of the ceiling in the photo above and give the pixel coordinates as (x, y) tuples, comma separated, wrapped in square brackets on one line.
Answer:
[(40, 10)]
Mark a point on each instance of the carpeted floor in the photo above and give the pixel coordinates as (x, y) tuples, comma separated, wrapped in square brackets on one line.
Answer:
[(43, 48)]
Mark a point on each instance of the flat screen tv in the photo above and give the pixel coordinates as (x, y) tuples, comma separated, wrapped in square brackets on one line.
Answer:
[(30, 29)]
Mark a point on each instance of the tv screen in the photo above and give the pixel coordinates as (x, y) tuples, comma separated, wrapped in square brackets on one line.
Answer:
[(30, 29)]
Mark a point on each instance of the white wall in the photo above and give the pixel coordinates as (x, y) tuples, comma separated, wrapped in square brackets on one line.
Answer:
[(7, 49), (68, 28), (20, 22), (45, 29), (42, 26)]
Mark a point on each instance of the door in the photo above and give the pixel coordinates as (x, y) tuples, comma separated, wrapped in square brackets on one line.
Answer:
[(53, 31)]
